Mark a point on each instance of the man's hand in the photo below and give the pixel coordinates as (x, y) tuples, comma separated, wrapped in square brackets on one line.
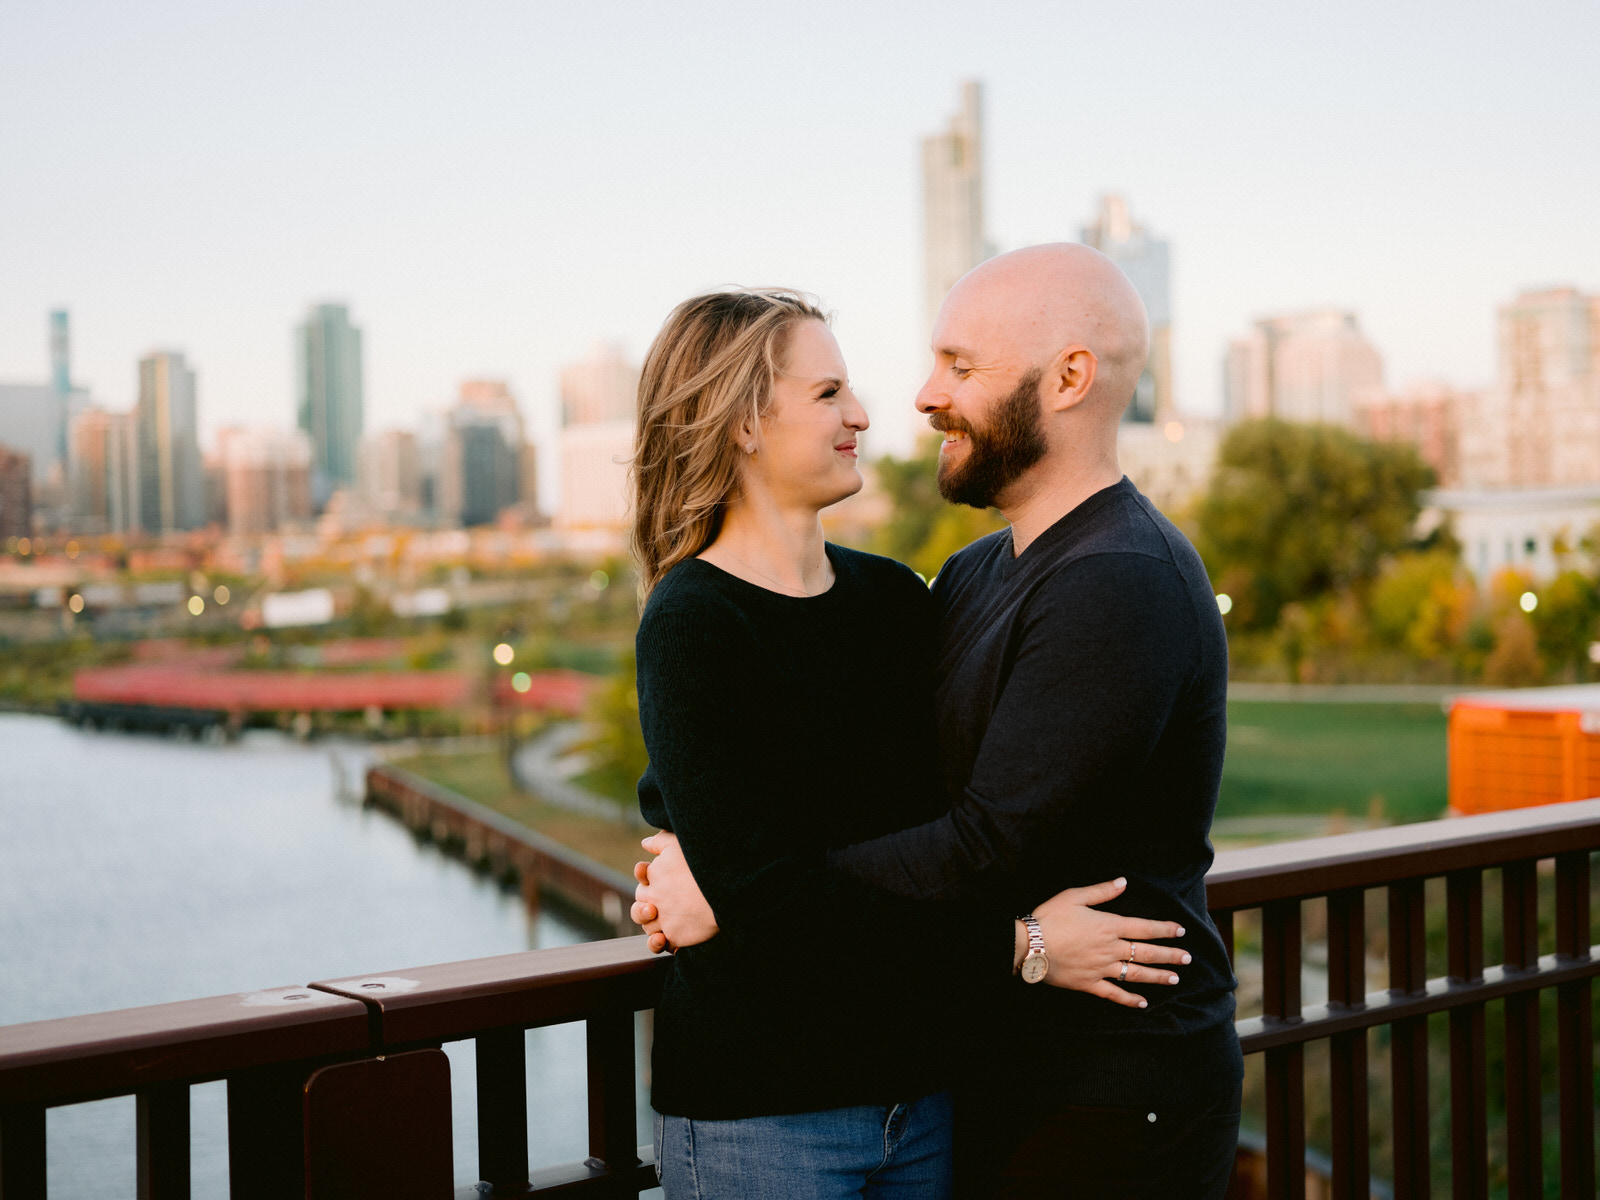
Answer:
[(1088, 949), (667, 904)]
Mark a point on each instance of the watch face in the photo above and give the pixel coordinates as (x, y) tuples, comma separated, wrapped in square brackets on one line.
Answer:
[(1035, 967)]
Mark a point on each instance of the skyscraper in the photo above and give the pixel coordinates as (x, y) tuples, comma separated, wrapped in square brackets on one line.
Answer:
[(171, 488), (1304, 367), (267, 478), (1539, 426), (599, 397), (61, 372), (953, 240), (34, 416), (390, 471), (330, 404), (105, 471), (481, 474), (1144, 259), (16, 493)]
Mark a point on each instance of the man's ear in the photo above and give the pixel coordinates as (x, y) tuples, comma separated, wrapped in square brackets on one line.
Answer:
[(1069, 378)]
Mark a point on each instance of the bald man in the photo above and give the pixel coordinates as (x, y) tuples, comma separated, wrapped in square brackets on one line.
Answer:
[(1082, 691), (1081, 712)]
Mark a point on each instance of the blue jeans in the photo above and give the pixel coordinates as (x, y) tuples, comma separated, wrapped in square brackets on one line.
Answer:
[(875, 1151)]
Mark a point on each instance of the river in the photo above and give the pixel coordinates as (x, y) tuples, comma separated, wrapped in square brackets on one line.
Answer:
[(139, 870)]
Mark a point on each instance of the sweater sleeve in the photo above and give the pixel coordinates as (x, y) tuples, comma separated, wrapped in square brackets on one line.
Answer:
[(711, 720), (1106, 647)]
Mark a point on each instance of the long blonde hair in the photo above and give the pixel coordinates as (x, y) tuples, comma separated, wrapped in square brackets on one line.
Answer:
[(712, 366)]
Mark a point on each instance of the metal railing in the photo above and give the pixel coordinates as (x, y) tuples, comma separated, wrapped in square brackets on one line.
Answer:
[(342, 1077), (1278, 880)]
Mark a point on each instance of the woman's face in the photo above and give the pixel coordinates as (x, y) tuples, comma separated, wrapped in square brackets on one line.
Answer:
[(806, 450)]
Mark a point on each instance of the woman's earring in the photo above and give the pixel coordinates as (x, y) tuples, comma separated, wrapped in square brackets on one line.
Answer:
[(750, 448)]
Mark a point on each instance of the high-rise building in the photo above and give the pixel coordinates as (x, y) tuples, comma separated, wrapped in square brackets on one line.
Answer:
[(599, 397), (330, 404), (1539, 426), (266, 477), (389, 474), (1303, 367), (16, 493), (485, 452), (953, 239), (171, 487), (105, 472), (1428, 415), (1144, 259), (34, 416)]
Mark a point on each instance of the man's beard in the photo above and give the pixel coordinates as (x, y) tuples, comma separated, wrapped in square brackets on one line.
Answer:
[(1010, 442)]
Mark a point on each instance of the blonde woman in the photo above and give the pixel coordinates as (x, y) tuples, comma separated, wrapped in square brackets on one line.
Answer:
[(785, 692)]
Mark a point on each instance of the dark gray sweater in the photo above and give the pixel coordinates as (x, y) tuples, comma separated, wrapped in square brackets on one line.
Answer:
[(1081, 693)]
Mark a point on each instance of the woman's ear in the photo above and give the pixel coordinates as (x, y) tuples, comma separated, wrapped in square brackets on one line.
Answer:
[(744, 436)]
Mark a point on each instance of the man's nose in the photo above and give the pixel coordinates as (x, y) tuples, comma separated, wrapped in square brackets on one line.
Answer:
[(932, 398)]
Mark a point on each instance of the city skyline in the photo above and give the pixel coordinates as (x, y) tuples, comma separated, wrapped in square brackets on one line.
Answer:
[(487, 220)]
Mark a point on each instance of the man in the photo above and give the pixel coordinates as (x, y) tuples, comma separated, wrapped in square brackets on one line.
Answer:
[(1081, 690)]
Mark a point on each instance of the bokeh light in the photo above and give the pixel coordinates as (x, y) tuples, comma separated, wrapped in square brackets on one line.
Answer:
[(521, 681), (503, 654)]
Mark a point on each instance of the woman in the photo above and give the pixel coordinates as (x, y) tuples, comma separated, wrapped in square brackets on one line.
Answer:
[(786, 701)]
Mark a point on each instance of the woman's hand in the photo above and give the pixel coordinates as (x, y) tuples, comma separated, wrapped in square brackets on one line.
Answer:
[(668, 904), (1092, 951)]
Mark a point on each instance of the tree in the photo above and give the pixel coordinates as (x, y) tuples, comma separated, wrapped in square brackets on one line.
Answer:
[(1297, 511), (923, 530), (1564, 620)]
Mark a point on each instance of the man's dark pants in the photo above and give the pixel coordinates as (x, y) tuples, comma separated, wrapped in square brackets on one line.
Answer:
[(1018, 1144)]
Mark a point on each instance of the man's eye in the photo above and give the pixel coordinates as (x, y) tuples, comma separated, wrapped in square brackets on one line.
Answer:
[(830, 393)]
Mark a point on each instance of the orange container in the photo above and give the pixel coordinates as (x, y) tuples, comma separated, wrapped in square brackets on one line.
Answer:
[(1520, 748)]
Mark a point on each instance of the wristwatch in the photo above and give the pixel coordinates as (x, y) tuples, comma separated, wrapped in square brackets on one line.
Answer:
[(1037, 963)]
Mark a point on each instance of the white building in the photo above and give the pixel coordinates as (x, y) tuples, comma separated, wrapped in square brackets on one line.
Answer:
[(1531, 529)]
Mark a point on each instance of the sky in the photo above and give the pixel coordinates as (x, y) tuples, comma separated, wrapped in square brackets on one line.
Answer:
[(492, 187)]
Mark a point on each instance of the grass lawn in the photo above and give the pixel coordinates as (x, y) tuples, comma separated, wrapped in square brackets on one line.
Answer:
[(481, 775), (1298, 758)]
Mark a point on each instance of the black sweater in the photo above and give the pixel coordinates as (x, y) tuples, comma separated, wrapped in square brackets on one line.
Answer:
[(779, 727), (1082, 715)]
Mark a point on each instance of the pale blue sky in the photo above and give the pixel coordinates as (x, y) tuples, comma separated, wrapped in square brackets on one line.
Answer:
[(492, 186)]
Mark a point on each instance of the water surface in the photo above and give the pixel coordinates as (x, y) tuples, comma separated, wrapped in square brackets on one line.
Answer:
[(138, 870)]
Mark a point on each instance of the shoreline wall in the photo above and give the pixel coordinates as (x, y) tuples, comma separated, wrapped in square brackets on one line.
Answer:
[(494, 842)]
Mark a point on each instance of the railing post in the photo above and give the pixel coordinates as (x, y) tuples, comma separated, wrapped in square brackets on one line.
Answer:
[(1575, 1028), (1347, 1052), (162, 1122), (613, 1115), (1408, 1046), (1286, 1081), (503, 1110), (1469, 1065), (22, 1153), (266, 1132), (1524, 1149)]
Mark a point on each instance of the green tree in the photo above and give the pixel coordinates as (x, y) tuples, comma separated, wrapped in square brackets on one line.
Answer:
[(1297, 511), (923, 530), (1564, 620), (617, 749)]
